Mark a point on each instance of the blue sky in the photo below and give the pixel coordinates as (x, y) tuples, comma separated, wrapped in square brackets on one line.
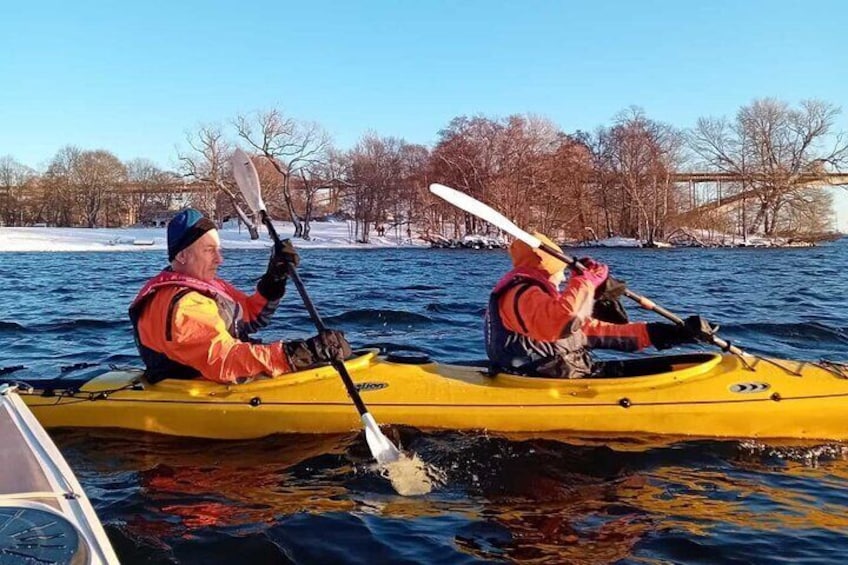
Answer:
[(134, 78)]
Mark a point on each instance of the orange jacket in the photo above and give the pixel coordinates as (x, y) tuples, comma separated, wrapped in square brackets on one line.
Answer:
[(547, 317), (193, 330)]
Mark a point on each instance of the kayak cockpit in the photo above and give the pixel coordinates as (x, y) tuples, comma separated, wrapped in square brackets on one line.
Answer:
[(657, 365), (641, 371)]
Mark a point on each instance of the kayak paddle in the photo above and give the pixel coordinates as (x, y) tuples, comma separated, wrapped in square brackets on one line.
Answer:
[(247, 179), (484, 212)]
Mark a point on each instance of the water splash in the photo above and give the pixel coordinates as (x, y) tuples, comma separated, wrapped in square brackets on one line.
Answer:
[(809, 455), (411, 476)]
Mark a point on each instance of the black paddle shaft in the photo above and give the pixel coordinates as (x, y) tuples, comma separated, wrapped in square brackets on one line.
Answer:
[(644, 302), (316, 318)]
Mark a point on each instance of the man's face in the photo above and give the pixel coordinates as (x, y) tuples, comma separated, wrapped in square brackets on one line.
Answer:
[(202, 258)]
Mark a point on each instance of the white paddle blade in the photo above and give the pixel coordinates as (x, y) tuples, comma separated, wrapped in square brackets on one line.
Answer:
[(474, 206), (382, 449), (247, 180)]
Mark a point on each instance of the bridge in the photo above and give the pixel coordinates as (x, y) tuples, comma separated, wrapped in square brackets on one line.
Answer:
[(170, 187), (812, 179), (715, 199)]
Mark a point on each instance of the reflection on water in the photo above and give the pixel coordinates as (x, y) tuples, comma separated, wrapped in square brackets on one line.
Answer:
[(502, 498), (516, 497)]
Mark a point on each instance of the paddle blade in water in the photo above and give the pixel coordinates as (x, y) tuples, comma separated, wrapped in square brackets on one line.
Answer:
[(382, 449), (474, 206), (247, 180)]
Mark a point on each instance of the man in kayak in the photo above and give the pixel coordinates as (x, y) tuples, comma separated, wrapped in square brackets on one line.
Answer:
[(532, 328), (188, 323)]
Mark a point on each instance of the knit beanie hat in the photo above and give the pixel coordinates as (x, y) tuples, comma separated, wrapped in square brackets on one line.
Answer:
[(185, 228), (525, 256)]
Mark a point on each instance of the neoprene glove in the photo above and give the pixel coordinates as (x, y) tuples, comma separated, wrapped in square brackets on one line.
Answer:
[(594, 272), (665, 335), (272, 285), (327, 346)]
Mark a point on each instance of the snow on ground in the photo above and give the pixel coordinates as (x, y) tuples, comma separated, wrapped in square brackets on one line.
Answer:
[(614, 242), (323, 234)]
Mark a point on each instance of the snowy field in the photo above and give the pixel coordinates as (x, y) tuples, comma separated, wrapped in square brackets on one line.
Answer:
[(323, 234)]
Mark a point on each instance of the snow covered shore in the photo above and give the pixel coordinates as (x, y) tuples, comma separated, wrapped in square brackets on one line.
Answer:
[(324, 235)]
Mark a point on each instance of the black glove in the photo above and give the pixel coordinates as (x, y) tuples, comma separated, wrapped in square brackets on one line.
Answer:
[(611, 289), (272, 285), (664, 335), (610, 310), (327, 346), (608, 307)]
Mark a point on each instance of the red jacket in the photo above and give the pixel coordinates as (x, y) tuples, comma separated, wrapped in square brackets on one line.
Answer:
[(190, 326), (548, 316)]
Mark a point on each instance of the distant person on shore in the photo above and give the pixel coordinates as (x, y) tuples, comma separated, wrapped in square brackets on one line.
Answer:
[(188, 323), (534, 329)]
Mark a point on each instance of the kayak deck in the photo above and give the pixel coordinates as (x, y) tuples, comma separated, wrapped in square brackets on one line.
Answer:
[(706, 394), (45, 517)]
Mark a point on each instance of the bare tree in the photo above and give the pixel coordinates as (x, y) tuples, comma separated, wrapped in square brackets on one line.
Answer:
[(511, 162), (639, 156), (95, 176), (374, 172), (524, 181), (149, 190), (778, 152), (564, 201), (808, 213), (413, 196), (14, 177), (209, 163), (327, 176), (55, 201), (466, 157), (294, 148)]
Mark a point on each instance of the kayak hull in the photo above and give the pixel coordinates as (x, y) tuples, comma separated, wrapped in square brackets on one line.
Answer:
[(708, 395)]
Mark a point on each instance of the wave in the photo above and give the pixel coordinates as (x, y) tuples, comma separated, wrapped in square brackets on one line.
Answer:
[(10, 327), (807, 331), (421, 287), (380, 317), (81, 323), (456, 308)]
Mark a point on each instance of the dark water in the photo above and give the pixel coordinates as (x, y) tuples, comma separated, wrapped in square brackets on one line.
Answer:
[(315, 499)]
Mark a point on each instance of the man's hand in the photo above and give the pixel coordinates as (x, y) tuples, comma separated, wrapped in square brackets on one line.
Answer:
[(327, 346), (594, 272), (272, 285), (694, 328)]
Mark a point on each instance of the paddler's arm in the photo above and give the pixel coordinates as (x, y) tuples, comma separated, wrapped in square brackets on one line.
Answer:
[(623, 337), (200, 340), (261, 305), (257, 309), (639, 335), (547, 317)]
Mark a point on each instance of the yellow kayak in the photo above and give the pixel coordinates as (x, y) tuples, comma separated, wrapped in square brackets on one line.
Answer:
[(702, 394)]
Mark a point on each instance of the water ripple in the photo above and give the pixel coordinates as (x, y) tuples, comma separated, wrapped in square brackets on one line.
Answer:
[(505, 498)]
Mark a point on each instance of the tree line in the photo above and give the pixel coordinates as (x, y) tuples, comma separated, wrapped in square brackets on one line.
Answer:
[(622, 179)]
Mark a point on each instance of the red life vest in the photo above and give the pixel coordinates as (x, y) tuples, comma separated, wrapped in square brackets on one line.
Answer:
[(515, 352), (159, 366)]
